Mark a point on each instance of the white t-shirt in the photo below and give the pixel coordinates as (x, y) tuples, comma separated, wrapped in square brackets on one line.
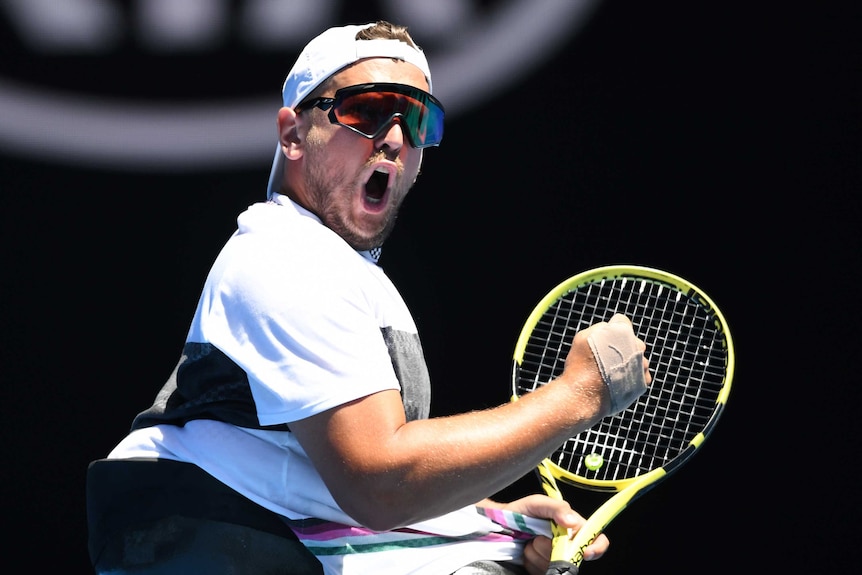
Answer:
[(292, 322)]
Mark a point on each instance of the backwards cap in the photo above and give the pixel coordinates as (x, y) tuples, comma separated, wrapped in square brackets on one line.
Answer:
[(328, 53)]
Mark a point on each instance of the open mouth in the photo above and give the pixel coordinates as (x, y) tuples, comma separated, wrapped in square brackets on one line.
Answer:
[(375, 187)]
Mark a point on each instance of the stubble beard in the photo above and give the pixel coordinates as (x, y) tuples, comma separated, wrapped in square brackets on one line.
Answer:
[(331, 195)]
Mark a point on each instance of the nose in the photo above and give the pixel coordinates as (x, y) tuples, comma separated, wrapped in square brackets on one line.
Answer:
[(392, 137)]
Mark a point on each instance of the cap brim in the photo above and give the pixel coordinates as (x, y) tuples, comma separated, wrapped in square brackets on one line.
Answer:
[(276, 173)]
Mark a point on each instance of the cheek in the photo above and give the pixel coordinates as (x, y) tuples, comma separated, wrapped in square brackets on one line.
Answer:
[(413, 163), (335, 151), (319, 135)]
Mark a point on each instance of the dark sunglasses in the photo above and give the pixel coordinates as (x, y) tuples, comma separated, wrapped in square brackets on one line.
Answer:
[(368, 109)]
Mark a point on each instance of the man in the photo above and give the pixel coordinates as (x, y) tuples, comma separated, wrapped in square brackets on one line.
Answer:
[(302, 398)]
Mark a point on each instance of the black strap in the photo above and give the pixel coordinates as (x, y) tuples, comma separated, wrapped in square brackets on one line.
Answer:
[(125, 492)]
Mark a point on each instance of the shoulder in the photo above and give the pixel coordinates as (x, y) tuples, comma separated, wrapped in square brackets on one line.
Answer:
[(282, 253)]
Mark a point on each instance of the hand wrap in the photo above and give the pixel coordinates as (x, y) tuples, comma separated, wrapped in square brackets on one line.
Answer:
[(620, 362)]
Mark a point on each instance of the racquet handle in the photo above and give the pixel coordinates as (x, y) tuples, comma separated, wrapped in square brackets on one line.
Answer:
[(564, 559)]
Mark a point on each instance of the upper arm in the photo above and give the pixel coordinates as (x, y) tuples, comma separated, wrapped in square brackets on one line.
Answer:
[(353, 448)]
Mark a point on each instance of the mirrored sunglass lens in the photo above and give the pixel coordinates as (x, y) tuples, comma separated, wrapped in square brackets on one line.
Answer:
[(428, 126), (369, 112), (366, 112)]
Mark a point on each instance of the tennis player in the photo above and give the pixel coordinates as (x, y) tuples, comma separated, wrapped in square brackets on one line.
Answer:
[(294, 435)]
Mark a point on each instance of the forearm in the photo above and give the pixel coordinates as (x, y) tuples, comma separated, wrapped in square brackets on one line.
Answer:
[(477, 454), (430, 467)]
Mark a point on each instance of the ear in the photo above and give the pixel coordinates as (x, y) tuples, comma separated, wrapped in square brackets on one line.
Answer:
[(288, 133)]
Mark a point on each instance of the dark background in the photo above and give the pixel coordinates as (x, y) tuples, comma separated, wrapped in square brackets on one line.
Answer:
[(723, 146)]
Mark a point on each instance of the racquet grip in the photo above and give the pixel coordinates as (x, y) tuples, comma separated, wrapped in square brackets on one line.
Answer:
[(565, 555)]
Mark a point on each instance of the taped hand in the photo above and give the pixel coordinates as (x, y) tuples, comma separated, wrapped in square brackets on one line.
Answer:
[(620, 357)]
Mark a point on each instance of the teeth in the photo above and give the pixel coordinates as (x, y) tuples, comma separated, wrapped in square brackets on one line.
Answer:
[(382, 170)]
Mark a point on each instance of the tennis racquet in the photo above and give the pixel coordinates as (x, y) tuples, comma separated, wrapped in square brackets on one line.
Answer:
[(691, 360)]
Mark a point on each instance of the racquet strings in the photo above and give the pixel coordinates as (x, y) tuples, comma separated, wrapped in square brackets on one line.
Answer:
[(688, 356)]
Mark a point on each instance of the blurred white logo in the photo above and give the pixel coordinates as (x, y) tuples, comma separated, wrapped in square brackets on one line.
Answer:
[(476, 49)]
